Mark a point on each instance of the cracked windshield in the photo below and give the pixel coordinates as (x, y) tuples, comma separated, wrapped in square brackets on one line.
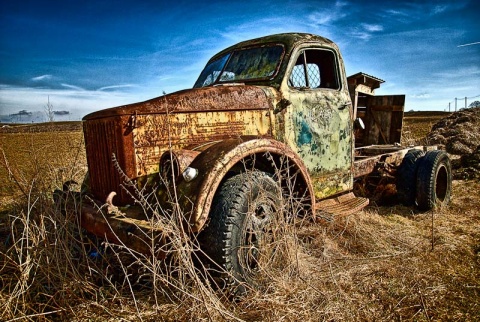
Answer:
[(241, 65)]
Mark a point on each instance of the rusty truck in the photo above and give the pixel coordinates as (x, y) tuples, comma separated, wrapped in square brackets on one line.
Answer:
[(270, 123)]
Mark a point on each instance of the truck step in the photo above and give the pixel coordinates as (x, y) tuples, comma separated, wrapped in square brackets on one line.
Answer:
[(330, 209)]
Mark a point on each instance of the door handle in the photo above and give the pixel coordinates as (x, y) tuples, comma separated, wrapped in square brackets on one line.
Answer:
[(283, 104)]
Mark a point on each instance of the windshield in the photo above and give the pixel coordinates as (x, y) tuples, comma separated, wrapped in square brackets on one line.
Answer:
[(241, 65)]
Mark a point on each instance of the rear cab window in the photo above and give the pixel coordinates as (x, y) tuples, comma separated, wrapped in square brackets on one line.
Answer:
[(315, 69)]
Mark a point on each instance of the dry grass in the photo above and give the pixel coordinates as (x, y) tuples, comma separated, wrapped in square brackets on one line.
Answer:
[(418, 124), (382, 264), (38, 154)]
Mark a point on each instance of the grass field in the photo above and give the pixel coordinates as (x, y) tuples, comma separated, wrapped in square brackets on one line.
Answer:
[(381, 264), (40, 153), (418, 124)]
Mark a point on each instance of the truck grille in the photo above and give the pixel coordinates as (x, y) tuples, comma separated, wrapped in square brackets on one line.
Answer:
[(103, 139)]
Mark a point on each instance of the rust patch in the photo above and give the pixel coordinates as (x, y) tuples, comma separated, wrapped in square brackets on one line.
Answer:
[(218, 98), (105, 138), (156, 133)]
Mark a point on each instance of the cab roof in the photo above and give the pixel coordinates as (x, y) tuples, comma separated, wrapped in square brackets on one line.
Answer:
[(289, 40)]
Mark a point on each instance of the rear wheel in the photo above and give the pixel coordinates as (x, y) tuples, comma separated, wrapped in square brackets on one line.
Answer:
[(434, 180), (407, 177), (239, 239)]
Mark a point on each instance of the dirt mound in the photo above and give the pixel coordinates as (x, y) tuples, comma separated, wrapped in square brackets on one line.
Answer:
[(469, 166), (460, 134)]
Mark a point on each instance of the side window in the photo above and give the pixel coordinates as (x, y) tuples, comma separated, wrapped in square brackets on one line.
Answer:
[(315, 68)]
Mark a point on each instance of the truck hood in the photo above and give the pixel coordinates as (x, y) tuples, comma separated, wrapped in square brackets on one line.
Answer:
[(230, 97)]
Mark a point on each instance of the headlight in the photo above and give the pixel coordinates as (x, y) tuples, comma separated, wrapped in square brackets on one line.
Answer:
[(175, 163), (189, 174)]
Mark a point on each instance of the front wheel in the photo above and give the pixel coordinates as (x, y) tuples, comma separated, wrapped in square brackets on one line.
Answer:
[(434, 180), (244, 222)]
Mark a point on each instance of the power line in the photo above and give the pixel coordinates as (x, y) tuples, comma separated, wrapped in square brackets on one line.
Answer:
[(468, 98), (461, 98)]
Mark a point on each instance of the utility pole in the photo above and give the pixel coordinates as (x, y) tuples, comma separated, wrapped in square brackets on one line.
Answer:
[(455, 104), (465, 102)]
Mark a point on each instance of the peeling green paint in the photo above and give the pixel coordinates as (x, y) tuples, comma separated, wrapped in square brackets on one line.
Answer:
[(304, 136)]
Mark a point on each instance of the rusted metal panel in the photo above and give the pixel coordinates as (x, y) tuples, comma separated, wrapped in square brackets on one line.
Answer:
[(218, 98), (136, 234), (365, 166), (344, 205), (327, 185), (368, 158), (139, 134), (132, 230), (195, 197), (156, 133)]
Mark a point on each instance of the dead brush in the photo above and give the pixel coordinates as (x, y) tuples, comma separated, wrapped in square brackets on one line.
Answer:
[(42, 260), (182, 277)]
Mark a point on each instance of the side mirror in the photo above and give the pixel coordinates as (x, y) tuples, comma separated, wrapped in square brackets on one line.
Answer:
[(358, 124)]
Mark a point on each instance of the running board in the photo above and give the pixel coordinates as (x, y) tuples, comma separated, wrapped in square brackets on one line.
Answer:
[(328, 210)]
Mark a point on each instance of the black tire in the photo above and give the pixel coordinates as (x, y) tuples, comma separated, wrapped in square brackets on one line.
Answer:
[(434, 180), (407, 177), (239, 237)]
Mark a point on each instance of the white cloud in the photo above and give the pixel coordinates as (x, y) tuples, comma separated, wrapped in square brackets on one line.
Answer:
[(394, 12), (421, 95), (41, 78), (78, 88), (372, 28), (458, 73), (361, 35), (365, 31), (322, 18), (329, 15), (439, 9), (115, 87)]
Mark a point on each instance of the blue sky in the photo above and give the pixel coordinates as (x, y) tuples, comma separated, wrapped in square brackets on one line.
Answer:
[(89, 55)]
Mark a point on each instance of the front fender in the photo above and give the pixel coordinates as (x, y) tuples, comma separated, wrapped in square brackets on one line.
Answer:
[(213, 164)]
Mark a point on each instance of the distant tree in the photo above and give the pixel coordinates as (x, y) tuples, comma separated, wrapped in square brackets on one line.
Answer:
[(49, 111), (61, 112), (18, 116), (23, 112), (474, 104)]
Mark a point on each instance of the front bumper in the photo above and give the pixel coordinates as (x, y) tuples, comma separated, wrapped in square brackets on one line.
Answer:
[(128, 227)]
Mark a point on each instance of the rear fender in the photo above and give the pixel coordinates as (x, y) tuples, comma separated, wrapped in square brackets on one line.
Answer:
[(232, 156)]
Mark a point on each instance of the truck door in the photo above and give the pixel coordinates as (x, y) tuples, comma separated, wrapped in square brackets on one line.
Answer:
[(318, 119)]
